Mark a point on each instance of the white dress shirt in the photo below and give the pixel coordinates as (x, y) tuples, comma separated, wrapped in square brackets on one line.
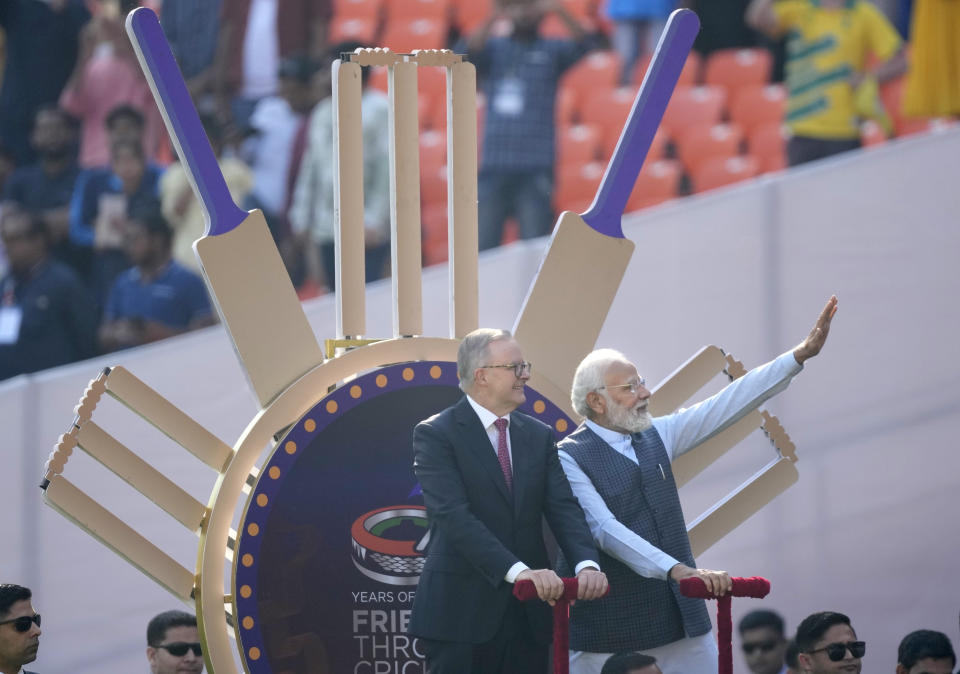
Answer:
[(487, 419), (680, 432)]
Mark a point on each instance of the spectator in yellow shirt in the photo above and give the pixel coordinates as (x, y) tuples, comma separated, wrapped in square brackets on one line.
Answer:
[(829, 48)]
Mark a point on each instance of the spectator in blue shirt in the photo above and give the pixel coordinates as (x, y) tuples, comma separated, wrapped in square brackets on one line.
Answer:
[(46, 316), (99, 207), (45, 187), (519, 75), (157, 297)]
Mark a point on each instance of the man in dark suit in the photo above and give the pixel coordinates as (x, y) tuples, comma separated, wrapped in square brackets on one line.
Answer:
[(19, 629), (489, 477)]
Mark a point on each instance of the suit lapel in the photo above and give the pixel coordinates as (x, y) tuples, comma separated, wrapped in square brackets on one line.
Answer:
[(475, 440), (524, 458)]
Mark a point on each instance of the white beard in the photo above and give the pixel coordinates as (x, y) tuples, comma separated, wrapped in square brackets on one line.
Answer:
[(635, 420)]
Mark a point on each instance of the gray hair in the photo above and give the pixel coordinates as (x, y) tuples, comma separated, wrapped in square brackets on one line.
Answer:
[(589, 377), (472, 351)]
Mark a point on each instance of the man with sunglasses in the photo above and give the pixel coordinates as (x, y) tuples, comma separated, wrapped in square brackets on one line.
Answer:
[(19, 629), (763, 642), (828, 645), (618, 464), (490, 475), (173, 644)]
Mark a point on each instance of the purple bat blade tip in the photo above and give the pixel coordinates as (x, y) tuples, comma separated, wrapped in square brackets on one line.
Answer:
[(606, 211)]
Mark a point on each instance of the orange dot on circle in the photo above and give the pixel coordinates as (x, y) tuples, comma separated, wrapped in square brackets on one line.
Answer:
[(561, 425), (310, 425), (253, 528), (247, 560), (407, 373), (355, 391), (248, 623), (381, 380), (539, 407), (262, 500), (274, 472), (435, 371), (290, 447), (245, 591), (331, 406), (254, 653)]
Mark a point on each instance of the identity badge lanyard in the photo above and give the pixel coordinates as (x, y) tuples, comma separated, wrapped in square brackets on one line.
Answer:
[(508, 99), (11, 314)]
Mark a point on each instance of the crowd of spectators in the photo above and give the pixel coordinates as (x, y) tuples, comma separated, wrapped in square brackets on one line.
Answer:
[(82, 144), (825, 642)]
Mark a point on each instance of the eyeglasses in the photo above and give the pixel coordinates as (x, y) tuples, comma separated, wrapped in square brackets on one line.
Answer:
[(837, 651), (179, 648), (633, 386), (23, 623), (521, 369), (763, 646)]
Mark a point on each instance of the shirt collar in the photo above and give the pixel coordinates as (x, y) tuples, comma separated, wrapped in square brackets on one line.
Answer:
[(486, 416), (609, 436)]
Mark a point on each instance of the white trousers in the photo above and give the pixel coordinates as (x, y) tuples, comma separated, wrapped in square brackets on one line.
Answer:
[(692, 655)]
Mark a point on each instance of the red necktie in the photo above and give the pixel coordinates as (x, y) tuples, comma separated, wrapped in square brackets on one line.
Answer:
[(503, 454)]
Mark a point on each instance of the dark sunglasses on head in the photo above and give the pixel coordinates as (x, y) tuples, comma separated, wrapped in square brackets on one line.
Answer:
[(179, 648), (764, 646), (23, 623), (837, 651)]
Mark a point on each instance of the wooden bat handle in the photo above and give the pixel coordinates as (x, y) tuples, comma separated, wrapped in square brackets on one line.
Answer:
[(183, 123), (607, 208)]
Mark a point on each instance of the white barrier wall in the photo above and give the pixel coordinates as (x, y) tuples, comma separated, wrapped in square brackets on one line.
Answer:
[(870, 529)]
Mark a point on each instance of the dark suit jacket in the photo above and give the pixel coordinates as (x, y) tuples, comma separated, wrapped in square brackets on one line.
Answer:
[(478, 529)]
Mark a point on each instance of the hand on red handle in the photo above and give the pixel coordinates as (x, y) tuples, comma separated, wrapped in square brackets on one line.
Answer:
[(525, 590), (755, 587)]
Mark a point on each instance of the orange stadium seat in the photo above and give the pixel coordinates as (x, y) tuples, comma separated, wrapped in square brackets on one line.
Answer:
[(433, 185), (658, 181), (405, 35), (736, 68), (754, 105), (578, 144), (576, 186), (719, 172), (354, 29), (701, 142), (608, 109), (690, 106), (469, 14), (566, 107), (432, 85), (358, 9), (597, 71), (433, 220), (379, 78), (689, 76), (418, 9), (433, 151), (768, 143)]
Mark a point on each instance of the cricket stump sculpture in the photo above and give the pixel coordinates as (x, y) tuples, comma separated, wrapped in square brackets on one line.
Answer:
[(308, 581)]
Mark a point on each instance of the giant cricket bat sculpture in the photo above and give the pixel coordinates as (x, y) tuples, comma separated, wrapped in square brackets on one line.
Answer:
[(244, 272), (569, 275)]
